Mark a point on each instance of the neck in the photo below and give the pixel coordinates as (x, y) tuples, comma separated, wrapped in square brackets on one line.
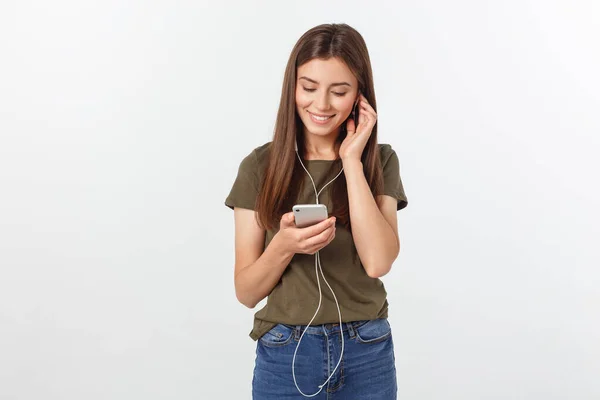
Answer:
[(318, 147)]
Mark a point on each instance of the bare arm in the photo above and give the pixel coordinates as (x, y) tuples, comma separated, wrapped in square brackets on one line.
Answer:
[(257, 271), (374, 223)]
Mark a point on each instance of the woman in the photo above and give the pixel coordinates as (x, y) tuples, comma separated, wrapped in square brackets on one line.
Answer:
[(333, 343)]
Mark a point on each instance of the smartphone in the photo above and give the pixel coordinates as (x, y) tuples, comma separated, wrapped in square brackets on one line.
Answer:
[(355, 112), (309, 214)]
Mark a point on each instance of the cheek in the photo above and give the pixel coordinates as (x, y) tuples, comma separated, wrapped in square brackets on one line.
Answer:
[(344, 105), (302, 100)]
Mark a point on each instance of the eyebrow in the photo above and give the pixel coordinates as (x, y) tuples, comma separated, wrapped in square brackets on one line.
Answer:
[(333, 84)]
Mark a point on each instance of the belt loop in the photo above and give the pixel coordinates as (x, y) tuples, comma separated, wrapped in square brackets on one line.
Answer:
[(297, 332), (350, 330)]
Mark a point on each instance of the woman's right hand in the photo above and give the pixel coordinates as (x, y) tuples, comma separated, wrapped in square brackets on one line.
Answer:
[(306, 240)]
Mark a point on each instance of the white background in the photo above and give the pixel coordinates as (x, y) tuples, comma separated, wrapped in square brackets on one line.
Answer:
[(122, 125)]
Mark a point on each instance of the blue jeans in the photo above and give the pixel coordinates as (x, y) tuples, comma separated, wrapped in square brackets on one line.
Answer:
[(367, 370)]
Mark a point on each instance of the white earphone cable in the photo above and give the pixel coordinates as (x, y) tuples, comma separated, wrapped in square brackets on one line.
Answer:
[(318, 265)]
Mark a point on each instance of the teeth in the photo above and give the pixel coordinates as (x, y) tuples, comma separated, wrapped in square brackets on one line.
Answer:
[(320, 118)]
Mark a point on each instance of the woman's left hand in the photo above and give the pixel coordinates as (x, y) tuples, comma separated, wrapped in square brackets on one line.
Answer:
[(356, 139)]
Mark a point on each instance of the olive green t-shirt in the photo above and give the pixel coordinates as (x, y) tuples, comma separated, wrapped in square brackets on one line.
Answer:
[(295, 298)]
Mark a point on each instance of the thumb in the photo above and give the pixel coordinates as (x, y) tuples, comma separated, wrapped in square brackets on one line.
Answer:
[(287, 219), (290, 217)]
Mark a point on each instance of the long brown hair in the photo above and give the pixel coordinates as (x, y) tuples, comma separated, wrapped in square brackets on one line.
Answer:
[(283, 176)]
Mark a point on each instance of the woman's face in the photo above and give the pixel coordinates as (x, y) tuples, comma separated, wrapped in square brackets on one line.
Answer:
[(325, 88)]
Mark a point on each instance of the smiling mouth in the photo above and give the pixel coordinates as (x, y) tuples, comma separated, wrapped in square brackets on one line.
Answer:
[(318, 118)]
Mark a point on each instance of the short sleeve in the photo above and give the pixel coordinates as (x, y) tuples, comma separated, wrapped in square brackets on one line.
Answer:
[(244, 191), (392, 183)]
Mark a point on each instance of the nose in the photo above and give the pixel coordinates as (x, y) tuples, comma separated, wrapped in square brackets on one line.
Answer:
[(322, 102)]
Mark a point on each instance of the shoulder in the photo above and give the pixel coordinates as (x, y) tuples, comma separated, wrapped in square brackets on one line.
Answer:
[(256, 159), (262, 153), (386, 152)]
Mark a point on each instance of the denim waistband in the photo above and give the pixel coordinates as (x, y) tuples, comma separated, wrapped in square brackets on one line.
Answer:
[(326, 329)]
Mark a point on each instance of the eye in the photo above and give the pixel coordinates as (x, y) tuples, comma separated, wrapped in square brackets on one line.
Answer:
[(335, 93)]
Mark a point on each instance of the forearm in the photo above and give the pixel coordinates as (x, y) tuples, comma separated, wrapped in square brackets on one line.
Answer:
[(374, 238), (254, 282)]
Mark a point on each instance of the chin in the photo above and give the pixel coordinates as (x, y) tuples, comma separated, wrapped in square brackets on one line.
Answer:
[(320, 130)]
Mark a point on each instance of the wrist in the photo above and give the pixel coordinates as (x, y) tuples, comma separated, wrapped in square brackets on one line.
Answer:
[(280, 248), (349, 163)]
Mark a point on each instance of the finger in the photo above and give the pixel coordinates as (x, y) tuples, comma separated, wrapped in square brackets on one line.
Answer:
[(331, 237), (372, 118), (316, 230), (287, 219), (369, 114), (366, 113), (319, 239), (368, 119), (350, 127), (320, 245), (361, 119), (365, 104), (313, 230)]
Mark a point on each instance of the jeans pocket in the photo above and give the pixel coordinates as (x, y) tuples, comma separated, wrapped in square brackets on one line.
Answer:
[(279, 335), (374, 331)]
